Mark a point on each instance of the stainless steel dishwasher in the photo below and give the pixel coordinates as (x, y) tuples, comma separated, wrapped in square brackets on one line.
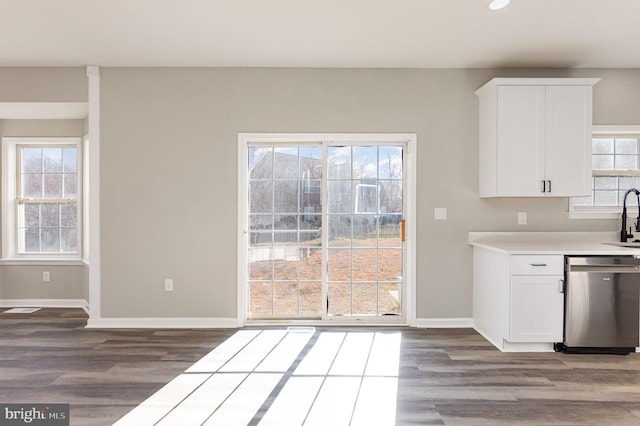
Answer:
[(602, 300)]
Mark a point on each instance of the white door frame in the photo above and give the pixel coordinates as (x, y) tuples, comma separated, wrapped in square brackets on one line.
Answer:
[(409, 213)]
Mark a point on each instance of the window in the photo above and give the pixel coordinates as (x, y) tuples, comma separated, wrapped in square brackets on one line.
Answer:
[(616, 168), (312, 187), (41, 197)]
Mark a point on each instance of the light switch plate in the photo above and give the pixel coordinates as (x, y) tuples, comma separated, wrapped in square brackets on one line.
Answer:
[(440, 213)]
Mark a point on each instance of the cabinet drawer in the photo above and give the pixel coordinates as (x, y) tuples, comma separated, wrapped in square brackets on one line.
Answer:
[(537, 265)]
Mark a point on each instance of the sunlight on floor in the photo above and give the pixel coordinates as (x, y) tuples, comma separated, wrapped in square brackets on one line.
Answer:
[(280, 377)]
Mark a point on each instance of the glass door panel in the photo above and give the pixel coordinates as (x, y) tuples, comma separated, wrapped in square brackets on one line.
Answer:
[(365, 299), (285, 219), (350, 267), (389, 299), (364, 213), (339, 299)]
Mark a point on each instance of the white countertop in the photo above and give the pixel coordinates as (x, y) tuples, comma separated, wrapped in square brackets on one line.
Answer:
[(563, 243)]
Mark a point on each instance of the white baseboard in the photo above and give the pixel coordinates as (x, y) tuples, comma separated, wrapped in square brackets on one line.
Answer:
[(162, 323), (45, 303), (527, 347), (444, 322)]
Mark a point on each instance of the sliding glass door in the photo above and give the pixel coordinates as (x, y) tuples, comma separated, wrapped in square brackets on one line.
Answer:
[(325, 230)]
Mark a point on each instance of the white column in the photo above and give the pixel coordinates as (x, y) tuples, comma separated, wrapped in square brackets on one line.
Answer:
[(92, 252)]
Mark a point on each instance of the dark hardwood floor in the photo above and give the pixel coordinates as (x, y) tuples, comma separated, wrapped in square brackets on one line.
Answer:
[(447, 376), (49, 356)]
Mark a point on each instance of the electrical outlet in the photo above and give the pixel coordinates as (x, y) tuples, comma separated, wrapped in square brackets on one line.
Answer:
[(46, 277), (522, 218), (168, 284)]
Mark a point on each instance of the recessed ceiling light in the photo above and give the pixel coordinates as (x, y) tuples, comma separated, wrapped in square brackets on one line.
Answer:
[(498, 4)]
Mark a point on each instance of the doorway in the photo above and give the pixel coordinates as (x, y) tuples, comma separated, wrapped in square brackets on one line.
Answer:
[(324, 228)]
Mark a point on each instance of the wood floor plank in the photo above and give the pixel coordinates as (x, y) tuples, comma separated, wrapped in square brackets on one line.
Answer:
[(204, 401), (335, 402), (158, 405), (376, 404), (320, 358), (384, 358), (293, 403), (224, 352), (255, 352), (245, 401), (283, 355), (351, 359)]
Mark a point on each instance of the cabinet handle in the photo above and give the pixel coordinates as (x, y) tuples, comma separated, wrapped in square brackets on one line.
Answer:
[(561, 286), (544, 186), (538, 264), (549, 186)]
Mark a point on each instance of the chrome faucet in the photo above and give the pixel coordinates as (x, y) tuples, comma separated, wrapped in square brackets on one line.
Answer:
[(624, 235)]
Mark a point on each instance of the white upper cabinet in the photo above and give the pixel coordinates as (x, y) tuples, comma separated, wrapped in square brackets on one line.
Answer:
[(535, 137)]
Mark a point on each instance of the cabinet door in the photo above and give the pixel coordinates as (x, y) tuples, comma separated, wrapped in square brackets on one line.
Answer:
[(536, 309), (568, 140), (521, 140)]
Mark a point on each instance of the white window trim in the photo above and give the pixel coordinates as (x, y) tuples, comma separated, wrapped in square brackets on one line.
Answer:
[(613, 212), (244, 139), (9, 203)]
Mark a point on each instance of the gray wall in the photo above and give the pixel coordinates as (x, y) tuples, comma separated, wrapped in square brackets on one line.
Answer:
[(25, 282), (169, 171), (42, 85)]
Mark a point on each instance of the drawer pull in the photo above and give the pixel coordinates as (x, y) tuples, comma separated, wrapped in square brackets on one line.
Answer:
[(538, 264)]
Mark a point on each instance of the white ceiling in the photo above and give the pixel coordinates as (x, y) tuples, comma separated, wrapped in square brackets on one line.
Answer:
[(320, 33)]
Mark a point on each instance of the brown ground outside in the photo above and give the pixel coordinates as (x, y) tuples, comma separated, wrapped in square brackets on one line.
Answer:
[(275, 289)]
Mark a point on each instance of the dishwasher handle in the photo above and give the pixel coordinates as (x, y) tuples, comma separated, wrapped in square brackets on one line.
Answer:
[(613, 269)]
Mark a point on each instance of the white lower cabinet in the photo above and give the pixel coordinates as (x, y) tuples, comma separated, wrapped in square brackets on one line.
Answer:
[(536, 308), (518, 304)]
